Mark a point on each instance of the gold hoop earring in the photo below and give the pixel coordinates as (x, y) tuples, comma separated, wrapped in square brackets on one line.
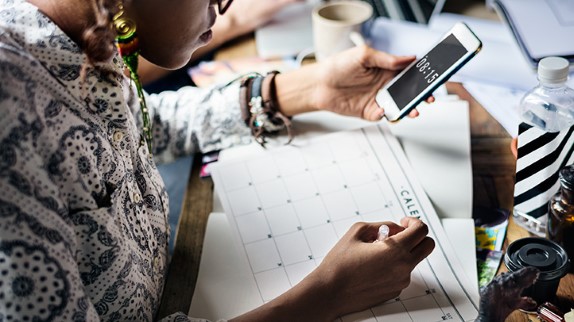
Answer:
[(127, 43)]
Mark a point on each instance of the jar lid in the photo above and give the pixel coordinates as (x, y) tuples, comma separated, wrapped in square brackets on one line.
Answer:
[(550, 258), (553, 70)]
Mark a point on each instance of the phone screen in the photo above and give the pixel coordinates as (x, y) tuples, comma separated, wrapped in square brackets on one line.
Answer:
[(426, 70)]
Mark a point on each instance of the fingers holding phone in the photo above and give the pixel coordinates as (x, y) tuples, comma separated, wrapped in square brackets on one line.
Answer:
[(416, 83)]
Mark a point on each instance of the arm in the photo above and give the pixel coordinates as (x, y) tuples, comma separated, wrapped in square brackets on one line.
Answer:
[(355, 275), (346, 84), (47, 267), (196, 119), (41, 280)]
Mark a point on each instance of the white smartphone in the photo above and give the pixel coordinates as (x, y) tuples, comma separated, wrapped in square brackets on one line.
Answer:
[(418, 80)]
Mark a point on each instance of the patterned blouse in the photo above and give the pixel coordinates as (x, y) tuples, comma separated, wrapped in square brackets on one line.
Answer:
[(83, 210)]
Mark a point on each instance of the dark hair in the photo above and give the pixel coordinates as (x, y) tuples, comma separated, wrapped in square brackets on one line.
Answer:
[(98, 39)]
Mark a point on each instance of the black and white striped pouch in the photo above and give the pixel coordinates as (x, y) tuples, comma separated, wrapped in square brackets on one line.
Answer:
[(541, 155)]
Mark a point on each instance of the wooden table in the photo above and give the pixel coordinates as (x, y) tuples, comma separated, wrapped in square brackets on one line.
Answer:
[(493, 182)]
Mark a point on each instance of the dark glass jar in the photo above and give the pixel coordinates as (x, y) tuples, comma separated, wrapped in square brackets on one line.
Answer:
[(560, 227), (546, 255)]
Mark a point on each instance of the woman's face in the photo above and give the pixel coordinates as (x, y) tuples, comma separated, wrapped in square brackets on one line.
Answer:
[(170, 31)]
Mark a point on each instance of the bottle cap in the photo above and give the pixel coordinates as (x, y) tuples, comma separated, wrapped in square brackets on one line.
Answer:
[(566, 176), (553, 70)]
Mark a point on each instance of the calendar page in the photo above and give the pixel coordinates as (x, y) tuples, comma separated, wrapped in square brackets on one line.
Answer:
[(288, 207)]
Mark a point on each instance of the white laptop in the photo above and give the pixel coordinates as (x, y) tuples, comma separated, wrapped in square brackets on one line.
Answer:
[(290, 31)]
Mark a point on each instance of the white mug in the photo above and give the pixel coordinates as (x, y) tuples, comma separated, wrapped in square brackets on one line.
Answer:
[(333, 24)]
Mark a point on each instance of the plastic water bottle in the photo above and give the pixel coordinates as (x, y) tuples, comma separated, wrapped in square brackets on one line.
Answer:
[(545, 143), (550, 105)]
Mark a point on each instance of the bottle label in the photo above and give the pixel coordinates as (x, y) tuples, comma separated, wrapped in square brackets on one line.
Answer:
[(541, 155)]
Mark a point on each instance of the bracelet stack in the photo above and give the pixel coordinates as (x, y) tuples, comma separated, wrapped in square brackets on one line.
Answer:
[(259, 107)]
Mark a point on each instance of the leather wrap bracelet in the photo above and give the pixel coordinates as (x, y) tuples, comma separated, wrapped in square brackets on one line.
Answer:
[(260, 109)]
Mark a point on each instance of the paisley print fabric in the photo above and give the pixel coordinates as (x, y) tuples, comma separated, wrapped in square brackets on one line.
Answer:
[(83, 211)]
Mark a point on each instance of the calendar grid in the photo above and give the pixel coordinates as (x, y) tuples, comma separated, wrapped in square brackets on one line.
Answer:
[(290, 205)]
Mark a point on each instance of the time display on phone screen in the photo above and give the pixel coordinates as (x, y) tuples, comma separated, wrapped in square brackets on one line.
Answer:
[(426, 70)]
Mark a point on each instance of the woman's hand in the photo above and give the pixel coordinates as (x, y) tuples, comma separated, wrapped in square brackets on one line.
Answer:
[(360, 274), (349, 81), (346, 84), (514, 147), (355, 275)]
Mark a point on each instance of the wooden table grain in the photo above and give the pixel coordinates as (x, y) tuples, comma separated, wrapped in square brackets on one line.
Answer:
[(493, 169)]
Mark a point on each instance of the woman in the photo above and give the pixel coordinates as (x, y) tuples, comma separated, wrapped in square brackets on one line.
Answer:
[(83, 212)]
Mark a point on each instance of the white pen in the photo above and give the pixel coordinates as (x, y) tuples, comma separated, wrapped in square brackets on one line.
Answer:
[(383, 233), (357, 38)]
